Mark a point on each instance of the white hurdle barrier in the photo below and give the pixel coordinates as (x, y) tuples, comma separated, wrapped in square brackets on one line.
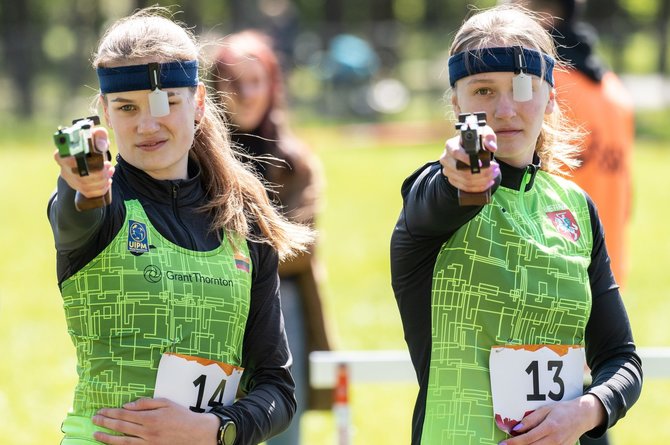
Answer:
[(395, 366)]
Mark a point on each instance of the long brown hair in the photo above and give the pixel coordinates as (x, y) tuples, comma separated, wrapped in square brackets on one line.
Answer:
[(238, 198)]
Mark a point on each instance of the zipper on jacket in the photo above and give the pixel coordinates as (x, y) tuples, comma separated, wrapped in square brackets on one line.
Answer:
[(175, 211), (530, 223)]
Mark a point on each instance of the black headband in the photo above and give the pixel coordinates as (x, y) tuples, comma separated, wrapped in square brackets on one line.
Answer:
[(509, 58), (141, 77)]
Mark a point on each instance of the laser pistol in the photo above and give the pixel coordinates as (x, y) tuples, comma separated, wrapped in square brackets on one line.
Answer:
[(471, 139), (77, 141)]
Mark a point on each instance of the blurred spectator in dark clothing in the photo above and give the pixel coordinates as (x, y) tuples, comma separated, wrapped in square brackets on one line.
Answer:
[(249, 81)]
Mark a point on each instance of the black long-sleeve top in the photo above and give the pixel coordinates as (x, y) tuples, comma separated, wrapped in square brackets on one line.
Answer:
[(173, 209), (429, 217)]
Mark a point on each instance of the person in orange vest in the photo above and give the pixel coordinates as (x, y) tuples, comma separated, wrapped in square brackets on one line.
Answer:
[(595, 99)]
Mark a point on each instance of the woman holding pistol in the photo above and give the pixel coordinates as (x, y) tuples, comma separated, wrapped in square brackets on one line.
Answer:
[(501, 276), (171, 291)]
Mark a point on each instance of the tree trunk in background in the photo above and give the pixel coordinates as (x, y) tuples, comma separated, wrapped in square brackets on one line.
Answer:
[(236, 12), (663, 35), (139, 4), (384, 32), (333, 16), (189, 11), (434, 16), (381, 10), (21, 40), (85, 24), (192, 16), (614, 25), (243, 13)]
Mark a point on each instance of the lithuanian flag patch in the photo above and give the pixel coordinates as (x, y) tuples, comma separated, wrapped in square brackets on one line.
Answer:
[(241, 262)]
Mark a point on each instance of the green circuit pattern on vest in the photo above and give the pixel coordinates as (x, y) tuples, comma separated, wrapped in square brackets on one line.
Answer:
[(515, 274), (124, 309)]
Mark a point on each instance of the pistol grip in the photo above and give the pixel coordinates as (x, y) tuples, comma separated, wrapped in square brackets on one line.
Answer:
[(474, 199), (95, 161), (82, 203), (480, 198), (484, 156)]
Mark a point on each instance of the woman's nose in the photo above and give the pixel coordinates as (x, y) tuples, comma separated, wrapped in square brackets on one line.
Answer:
[(505, 107), (148, 124)]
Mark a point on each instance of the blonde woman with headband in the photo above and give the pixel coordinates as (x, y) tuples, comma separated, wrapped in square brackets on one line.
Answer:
[(170, 291), (499, 265)]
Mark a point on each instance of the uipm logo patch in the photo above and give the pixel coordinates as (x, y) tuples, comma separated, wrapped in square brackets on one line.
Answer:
[(138, 237), (565, 223)]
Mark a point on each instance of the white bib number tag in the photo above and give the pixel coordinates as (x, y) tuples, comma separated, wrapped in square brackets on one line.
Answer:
[(526, 377), (196, 383)]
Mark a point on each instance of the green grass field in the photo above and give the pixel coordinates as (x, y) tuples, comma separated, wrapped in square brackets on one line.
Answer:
[(360, 208)]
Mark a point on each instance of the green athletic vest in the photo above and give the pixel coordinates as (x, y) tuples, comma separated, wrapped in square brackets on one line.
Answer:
[(515, 274), (143, 296)]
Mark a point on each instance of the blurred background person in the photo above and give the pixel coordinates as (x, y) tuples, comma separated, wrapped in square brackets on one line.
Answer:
[(593, 97), (248, 79)]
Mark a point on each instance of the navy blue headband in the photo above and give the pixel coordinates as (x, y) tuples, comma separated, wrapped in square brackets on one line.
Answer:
[(487, 60), (139, 77)]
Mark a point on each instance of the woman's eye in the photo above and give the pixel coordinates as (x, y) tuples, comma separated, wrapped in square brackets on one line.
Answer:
[(127, 108), (483, 91)]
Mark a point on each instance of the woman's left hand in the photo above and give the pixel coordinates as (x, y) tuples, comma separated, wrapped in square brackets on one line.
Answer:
[(559, 424), (156, 422)]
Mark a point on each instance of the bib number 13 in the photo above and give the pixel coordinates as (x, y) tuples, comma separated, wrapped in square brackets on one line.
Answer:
[(526, 377), (533, 370)]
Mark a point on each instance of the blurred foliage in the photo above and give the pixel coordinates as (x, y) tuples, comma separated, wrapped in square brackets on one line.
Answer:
[(652, 125), (47, 45), (641, 9)]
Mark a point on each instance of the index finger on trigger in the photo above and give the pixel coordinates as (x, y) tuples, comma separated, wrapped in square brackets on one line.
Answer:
[(489, 138), (101, 138), (453, 148)]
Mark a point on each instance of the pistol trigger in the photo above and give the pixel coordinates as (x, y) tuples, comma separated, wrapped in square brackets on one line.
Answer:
[(82, 165), (474, 164)]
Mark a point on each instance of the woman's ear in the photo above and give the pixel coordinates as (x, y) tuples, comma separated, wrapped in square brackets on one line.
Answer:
[(454, 103), (552, 102), (200, 95), (103, 102)]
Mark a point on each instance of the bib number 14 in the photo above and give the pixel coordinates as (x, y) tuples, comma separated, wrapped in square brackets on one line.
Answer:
[(197, 383), (215, 400)]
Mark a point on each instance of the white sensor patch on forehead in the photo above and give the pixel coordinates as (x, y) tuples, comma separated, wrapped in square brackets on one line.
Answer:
[(522, 87), (522, 84), (159, 105)]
